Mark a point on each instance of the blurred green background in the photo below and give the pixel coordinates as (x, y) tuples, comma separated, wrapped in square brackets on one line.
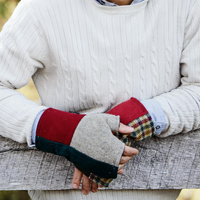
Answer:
[(6, 9), (14, 195)]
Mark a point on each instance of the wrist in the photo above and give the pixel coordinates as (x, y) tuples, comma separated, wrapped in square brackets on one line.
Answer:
[(54, 124), (157, 113)]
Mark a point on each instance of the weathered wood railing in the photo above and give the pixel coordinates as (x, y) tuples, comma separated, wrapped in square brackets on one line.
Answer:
[(169, 163)]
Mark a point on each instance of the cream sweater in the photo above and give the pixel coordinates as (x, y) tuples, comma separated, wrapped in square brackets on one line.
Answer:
[(86, 57)]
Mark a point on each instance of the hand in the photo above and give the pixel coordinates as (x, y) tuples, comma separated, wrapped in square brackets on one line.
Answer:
[(127, 155), (129, 152), (133, 113), (86, 183)]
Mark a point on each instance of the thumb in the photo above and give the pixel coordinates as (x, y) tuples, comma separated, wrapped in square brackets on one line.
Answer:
[(125, 129)]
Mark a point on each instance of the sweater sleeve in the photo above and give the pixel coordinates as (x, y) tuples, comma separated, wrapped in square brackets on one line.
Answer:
[(22, 52), (182, 105)]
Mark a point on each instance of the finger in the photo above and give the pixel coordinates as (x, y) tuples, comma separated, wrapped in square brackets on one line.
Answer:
[(129, 151), (85, 185), (120, 166), (125, 159), (121, 171), (76, 178), (94, 187), (125, 129)]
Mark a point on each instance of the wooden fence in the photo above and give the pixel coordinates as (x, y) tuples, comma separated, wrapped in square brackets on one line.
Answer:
[(169, 163)]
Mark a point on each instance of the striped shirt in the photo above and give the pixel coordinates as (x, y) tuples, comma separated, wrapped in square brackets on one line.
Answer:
[(106, 3)]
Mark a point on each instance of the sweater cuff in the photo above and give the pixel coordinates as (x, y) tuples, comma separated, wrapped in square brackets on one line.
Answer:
[(157, 114)]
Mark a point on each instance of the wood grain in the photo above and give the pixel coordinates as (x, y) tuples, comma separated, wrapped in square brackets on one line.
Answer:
[(163, 163)]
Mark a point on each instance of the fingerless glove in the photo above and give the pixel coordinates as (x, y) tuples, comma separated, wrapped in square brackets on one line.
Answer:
[(85, 140), (134, 114)]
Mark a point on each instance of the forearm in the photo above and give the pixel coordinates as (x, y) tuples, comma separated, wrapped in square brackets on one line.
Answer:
[(17, 115), (182, 109)]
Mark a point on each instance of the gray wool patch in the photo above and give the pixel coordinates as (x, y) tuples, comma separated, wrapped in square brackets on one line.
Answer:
[(93, 137)]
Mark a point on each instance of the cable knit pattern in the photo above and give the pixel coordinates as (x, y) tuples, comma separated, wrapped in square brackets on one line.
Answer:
[(97, 84), (127, 55), (154, 52), (67, 75), (86, 57), (142, 59), (168, 49)]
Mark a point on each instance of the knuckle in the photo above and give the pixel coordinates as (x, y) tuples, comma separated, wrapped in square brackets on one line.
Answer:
[(86, 185), (76, 180), (86, 188), (120, 166), (125, 150), (123, 160), (94, 187)]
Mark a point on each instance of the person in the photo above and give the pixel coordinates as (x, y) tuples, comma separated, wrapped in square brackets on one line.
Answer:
[(89, 56)]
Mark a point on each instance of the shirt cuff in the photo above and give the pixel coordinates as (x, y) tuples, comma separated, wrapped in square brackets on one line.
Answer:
[(157, 114), (34, 127)]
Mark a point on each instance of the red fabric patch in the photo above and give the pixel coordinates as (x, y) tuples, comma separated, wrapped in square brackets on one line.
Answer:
[(129, 110), (58, 126)]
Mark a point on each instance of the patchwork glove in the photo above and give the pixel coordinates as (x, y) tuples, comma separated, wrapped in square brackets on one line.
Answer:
[(134, 114), (85, 140)]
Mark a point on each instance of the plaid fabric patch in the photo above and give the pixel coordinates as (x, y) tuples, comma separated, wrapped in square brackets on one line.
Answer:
[(144, 128), (102, 182), (123, 138)]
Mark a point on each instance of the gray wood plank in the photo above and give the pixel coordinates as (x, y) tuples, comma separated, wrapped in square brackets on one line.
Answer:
[(162, 163)]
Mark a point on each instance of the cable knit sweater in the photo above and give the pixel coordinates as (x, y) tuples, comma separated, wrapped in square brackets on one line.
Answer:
[(86, 57)]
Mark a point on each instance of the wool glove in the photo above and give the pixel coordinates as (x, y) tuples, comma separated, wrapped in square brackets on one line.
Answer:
[(134, 114), (85, 140)]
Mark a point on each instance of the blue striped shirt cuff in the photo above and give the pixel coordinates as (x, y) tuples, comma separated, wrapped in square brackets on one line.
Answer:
[(34, 127), (157, 114)]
